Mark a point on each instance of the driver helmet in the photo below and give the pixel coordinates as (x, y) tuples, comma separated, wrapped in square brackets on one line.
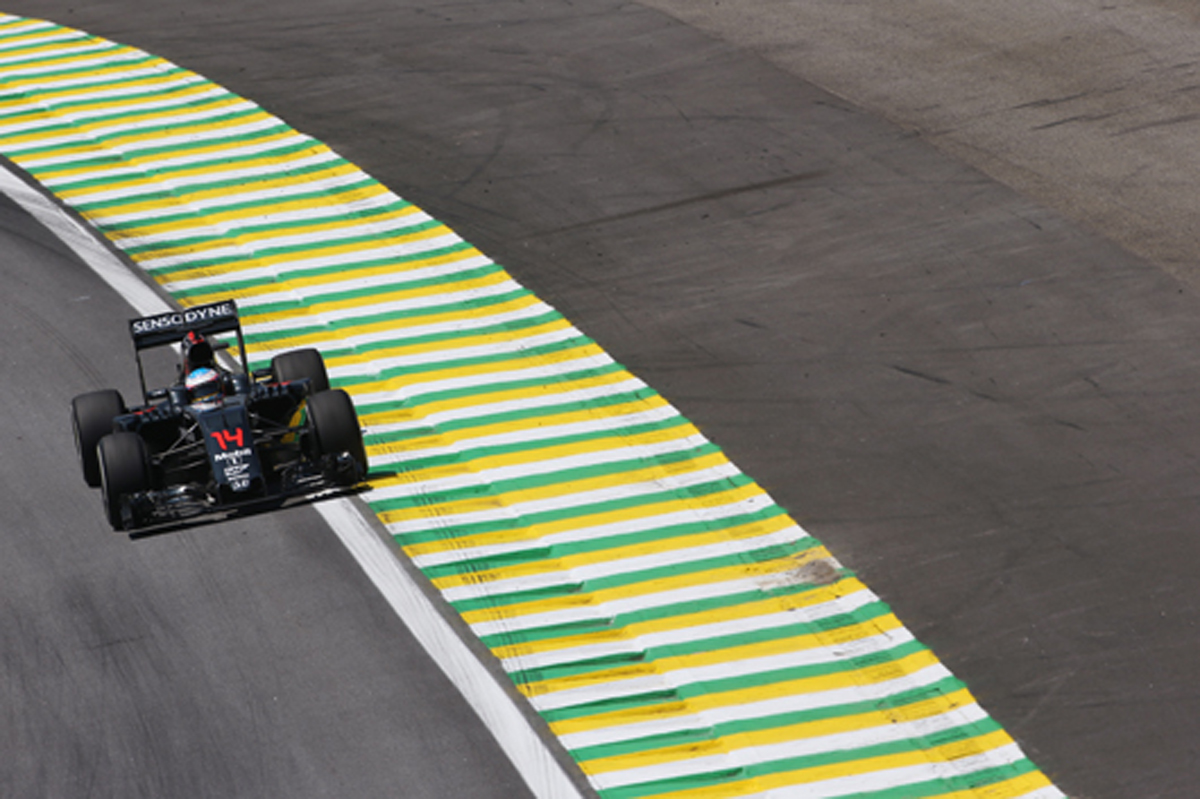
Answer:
[(204, 388)]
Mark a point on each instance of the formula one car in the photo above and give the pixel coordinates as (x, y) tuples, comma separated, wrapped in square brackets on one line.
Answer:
[(217, 439)]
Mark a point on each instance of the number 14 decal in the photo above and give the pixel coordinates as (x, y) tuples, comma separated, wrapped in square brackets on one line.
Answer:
[(227, 437)]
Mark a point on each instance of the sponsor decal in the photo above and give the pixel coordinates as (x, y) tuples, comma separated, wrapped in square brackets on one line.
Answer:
[(182, 319), (235, 456), (205, 313), (152, 323)]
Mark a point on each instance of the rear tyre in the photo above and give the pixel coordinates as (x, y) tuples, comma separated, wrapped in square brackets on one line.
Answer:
[(334, 431), (299, 364), (124, 469), (92, 419)]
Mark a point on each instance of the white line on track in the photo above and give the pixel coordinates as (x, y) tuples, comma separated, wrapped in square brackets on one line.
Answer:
[(498, 710)]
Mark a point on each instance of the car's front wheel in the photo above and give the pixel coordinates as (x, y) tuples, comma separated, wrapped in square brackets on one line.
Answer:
[(334, 431), (92, 419), (124, 470), (301, 364)]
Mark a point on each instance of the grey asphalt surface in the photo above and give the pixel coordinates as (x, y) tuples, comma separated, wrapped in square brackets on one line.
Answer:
[(248, 658), (980, 401)]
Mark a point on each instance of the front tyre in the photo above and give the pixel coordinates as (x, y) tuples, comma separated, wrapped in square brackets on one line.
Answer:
[(92, 419), (301, 364), (124, 470), (334, 433)]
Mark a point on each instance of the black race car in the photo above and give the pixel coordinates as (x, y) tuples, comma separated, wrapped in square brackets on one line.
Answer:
[(217, 438)]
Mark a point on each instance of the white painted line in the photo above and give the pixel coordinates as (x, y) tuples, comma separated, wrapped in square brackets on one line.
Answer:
[(495, 707), (81, 241), (511, 729)]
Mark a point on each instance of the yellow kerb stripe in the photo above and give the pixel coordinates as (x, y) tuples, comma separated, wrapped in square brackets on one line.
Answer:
[(884, 717), (304, 253), (404, 414), (120, 102), (38, 44), (741, 697), (156, 172), (166, 204), (314, 308), (854, 768), (184, 81), (547, 424), (484, 503), (762, 570), (449, 348), (818, 595), (553, 565), (665, 665), (285, 283), (257, 212), (266, 235), (169, 115), (60, 53), (535, 533), (10, 30), (499, 369)]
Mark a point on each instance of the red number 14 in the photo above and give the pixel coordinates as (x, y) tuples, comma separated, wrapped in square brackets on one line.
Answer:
[(227, 437)]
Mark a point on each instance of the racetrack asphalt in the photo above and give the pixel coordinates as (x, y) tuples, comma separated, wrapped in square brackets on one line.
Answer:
[(975, 402)]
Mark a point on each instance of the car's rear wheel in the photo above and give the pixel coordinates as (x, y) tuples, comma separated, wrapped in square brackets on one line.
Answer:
[(124, 470), (92, 419), (334, 431), (300, 364)]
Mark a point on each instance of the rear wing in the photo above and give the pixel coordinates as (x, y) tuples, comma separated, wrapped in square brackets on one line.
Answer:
[(170, 327)]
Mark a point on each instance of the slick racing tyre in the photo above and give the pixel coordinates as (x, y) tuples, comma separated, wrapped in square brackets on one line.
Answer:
[(299, 364), (124, 469), (334, 431), (92, 419)]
